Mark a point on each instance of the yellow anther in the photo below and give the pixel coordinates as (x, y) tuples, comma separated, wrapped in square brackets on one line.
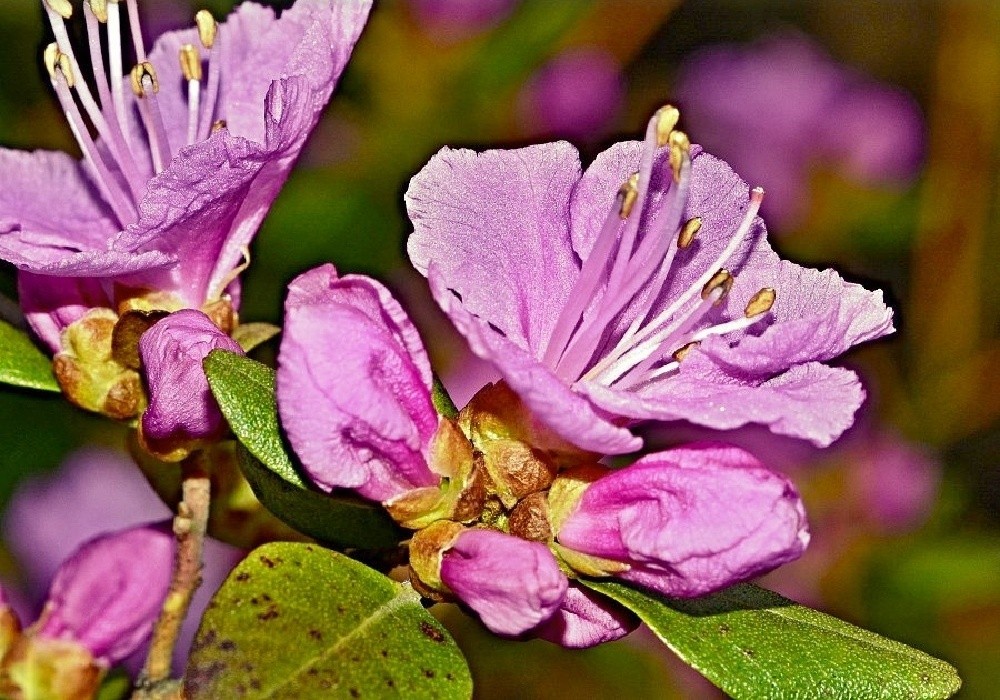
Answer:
[(721, 280), (688, 232), (139, 74), (207, 28), (57, 62), (760, 303), (680, 144), (666, 119), (218, 126), (629, 192), (685, 350), (190, 62), (100, 9), (63, 8)]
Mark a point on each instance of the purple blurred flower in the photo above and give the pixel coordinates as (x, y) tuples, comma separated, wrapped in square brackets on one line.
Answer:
[(181, 406), (601, 307), (577, 95), (452, 20), (94, 492), (108, 594), (895, 481), (689, 521), (174, 182), (512, 584), (777, 107)]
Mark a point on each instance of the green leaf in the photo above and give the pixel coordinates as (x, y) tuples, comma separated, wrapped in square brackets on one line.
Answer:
[(116, 686), (244, 389), (23, 364), (298, 621), (753, 643)]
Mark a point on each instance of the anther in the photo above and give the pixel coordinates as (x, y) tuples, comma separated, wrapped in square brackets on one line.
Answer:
[(56, 61), (721, 280), (139, 75), (218, 126), (629, 192), (63, 8), (688, 232), (666, 119), (685, 350), (760, 303), (207, 28), (680, 144), (100, 9), (190, 62)]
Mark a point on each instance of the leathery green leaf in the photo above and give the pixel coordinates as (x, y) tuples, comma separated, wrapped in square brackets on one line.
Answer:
[(21, 363), (753, 643), (299, 621)]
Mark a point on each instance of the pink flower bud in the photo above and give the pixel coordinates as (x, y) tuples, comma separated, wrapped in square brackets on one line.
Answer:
[(512, 584), (690, 521), (107, 596), (585, 619), (181, 406)]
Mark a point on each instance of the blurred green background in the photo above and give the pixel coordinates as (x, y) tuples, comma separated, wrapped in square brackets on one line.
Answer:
[(932, 244)]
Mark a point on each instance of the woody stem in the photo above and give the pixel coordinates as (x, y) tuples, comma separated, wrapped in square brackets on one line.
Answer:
[(190, 525)]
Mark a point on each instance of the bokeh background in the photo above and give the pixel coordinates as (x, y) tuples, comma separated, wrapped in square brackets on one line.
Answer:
[(873, 124)]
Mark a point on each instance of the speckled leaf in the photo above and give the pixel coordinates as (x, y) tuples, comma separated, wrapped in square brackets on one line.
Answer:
[(23, 364), (244, 389), (298, 621), (753, 643)]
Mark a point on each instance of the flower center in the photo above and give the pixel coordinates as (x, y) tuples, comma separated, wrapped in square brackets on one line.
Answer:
[(100, 125), (617, 339)]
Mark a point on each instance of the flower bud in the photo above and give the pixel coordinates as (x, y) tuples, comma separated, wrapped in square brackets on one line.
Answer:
[(585, 619), (50, 669), (689, 521), (512, 584), (182, 411), (107, 596)]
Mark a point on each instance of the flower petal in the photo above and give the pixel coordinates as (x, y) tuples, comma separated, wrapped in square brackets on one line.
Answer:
[(354, 386), (52, 303), (496, 225), (690, 521), (512, 584), (570, 415), (586, 619), (810, 401)]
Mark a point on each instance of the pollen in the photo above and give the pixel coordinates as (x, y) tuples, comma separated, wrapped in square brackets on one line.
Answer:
[(680, 144), (721, 280), (688, 232), (100, 9), (207, 28), (685, 350), (629, 192), (58, 62), (666, 119), (140, 73), (760, 303), (63, 8), (190, 62)]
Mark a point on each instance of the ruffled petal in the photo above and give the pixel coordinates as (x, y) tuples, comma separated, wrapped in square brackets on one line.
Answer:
[(585, 619), (354, 386), (52, 303)]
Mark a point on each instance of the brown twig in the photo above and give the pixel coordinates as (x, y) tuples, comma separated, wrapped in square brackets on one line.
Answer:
[(190, 525)]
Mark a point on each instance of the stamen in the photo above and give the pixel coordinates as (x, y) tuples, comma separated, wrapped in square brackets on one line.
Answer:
[(688, 232), (666, 119), (760, 303), (191, 68), (207, 28), (116, 68), (100, 9), (219, 125), (145, 85), (136, 29), (720, 280), (685, 350), (57, 62), (680, 146), (629, 192), (61, 7)]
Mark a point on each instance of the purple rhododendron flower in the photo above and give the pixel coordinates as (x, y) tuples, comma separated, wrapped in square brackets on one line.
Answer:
[(354, 396), (691, 520), (576, 95), (108, 594), (776, 107), (181, 406), (604, 304), (179, 169), (512, 584)]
